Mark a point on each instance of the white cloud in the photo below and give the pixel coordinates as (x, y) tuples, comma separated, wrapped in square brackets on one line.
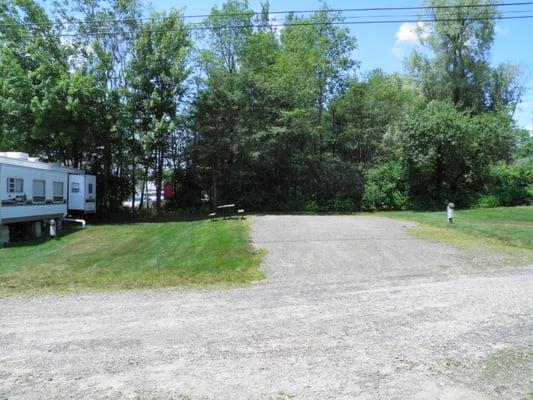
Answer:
[(407, 36), (524, 105), (529, 128), (502, 30), (407, 32)]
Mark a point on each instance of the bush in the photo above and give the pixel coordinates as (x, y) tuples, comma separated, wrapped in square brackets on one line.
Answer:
[(508, 185), (487, 201), (343, 205), (385, 188), (311, 207)]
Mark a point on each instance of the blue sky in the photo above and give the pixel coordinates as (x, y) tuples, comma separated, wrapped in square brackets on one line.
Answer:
[(386, 45)]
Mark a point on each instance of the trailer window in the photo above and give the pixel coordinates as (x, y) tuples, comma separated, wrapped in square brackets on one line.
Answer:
[(58, 191), (75, 187), (39, 191), (90, 189), (15, 185)]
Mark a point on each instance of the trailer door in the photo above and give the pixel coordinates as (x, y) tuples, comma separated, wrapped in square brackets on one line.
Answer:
[(90, 193), (76, 192)]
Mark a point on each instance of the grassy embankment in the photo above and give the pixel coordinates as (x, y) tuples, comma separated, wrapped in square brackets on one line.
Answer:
[(137, 255), (508, 231)]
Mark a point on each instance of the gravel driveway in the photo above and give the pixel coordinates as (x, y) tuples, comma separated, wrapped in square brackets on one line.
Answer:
[(352, 308)]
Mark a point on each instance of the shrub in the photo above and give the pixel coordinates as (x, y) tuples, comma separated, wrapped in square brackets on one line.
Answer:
[(311, 207), (343, 205), (508, 185), (385, 188), (487, 201)]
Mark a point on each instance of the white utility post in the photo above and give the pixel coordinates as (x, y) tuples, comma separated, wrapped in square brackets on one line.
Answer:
[(450, 209), (53, 231)]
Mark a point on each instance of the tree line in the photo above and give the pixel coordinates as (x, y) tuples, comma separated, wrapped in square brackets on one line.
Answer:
[(273, 118)]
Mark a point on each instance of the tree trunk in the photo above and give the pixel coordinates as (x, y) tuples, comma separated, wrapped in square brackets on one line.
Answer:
[(215, 190), (141, 205), (133, 190), (439, 169), (159, 180)]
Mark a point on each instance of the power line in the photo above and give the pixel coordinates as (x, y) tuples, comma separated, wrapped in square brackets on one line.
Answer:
[(478, 16), (295, 23), (374, 9), (507, 12), (255, 13)]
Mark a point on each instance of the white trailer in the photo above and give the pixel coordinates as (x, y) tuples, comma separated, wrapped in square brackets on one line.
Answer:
[(33, 191)]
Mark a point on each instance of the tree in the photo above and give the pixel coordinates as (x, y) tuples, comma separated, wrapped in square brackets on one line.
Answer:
[(261, 111), (157, 75), (32, 60), (217, 109), (445, 153), (506, 88), (62, 96), (317, 56), (365, 113), (457, 67), (274, 118)]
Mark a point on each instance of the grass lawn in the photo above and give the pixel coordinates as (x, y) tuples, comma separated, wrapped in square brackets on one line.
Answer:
[(139, 255), (512, 226)]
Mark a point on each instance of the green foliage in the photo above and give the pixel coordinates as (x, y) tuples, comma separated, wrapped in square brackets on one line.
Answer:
[(457, 68), (385, 188), (312, 207), (271, 119), (508, 185), (487, 201), (364, 114), (344, 205), (261, 112), (157, 74), (524, 147), (446, 152)]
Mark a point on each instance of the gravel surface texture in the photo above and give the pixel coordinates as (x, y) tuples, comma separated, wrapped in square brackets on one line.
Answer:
[(352, 308)]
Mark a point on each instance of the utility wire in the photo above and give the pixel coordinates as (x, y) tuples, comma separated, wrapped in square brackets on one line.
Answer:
[(480, 14), (342, 10), (255, 13), (234, 27), (413, 16)]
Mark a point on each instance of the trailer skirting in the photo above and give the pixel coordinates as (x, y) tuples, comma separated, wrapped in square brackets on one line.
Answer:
[(31, 218), (4, 236)]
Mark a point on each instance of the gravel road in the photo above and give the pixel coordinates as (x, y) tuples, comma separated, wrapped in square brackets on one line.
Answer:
[(352, 308)]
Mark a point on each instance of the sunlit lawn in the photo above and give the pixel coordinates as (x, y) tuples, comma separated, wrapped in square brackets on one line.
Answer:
[(140, 255), (512, 226)]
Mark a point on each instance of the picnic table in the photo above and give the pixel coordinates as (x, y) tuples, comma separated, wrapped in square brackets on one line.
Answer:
[(227, 210)]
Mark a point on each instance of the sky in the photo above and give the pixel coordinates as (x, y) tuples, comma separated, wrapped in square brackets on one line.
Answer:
[(385, 46)]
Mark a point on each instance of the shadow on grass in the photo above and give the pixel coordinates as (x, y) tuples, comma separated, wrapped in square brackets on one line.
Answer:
[(26, 242), (114, 219), (137, 218), (124, 218)]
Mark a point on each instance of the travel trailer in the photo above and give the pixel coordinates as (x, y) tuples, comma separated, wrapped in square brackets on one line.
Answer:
[(34, 191)]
